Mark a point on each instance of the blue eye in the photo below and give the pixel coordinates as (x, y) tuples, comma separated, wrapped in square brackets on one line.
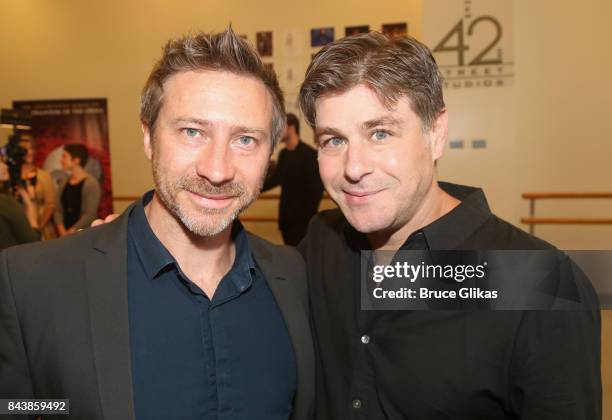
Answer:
[(333, 142), (191, 132), (245, 140), (380, 135)]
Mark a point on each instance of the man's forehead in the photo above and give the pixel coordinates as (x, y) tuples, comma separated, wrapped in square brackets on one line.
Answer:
[(212, 78), (213, 97), (363, 106)]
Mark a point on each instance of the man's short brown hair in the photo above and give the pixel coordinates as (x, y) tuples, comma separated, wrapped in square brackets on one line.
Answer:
[(223, 51), (391, 67)]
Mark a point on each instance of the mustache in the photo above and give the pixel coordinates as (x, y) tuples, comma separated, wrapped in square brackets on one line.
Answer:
[(202, 186)]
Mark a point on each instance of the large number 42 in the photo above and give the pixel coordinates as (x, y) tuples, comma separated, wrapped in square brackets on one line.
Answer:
[(461, 47)]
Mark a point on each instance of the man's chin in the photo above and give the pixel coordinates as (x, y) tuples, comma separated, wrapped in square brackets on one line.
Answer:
[(365, 223), (208, 225)]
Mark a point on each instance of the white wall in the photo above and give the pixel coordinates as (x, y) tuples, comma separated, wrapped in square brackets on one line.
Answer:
[(564, 112)]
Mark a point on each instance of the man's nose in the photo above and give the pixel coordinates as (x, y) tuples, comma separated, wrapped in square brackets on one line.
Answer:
[(215, 162), (358, 161)]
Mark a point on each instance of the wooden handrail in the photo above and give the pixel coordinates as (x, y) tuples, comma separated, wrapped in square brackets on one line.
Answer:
[(564, 221), (532, 220), (125, 197), (545, 195), (259, 219)]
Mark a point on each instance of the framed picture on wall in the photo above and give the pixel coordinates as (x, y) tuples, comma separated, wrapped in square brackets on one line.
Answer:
[(356, 30), (393, 30), (321, 36), (264, 43)]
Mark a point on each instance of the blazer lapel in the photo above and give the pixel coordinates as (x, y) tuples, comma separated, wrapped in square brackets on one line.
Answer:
[(295, 313), (106, 274)]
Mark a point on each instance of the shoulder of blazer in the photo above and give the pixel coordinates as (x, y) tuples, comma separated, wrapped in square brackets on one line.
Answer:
[(40, 260), (284, 260)]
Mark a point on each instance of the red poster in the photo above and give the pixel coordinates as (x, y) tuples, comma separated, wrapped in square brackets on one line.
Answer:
[(56, 123)]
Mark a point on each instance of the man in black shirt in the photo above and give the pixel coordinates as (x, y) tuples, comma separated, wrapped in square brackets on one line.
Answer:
[(298, 174), (381, 124)]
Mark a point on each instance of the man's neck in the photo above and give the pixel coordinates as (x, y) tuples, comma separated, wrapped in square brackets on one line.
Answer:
[(292, 142), (205, 260), (435, 204)]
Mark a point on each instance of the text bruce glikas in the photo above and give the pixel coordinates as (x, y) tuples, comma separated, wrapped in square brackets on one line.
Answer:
[(413, 272)]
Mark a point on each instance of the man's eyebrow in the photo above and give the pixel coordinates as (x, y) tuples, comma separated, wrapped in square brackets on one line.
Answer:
[(196, 121), (250, 130), (321, 131), (388, 121), (206, 123)]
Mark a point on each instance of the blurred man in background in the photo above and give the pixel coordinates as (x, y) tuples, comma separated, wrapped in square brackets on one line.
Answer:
[(297, 173)]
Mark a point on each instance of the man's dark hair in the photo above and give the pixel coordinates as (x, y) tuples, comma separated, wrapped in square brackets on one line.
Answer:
[(391, 67), (225, 51), (78, 151), (293, 120)]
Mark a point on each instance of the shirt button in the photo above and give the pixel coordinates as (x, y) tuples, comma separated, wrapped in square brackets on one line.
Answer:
[(365, 339), (356, 403)]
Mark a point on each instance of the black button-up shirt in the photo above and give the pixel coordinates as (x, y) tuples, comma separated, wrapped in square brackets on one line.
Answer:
[(195, 358), (430, 365)]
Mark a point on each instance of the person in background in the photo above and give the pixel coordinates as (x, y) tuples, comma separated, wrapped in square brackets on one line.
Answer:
[(79, 195), (18, 225), (297, 173), (40, 187)]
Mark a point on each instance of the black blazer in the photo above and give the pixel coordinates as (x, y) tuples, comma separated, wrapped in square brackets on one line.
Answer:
[(64, 321)]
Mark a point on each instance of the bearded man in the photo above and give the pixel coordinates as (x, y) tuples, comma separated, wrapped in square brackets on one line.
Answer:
[(172, 311)]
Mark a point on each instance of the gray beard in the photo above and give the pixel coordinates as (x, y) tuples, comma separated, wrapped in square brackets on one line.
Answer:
[(167, 192)]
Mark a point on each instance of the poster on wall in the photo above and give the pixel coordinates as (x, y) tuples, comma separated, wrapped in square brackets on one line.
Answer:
[(356, 30), (394, 30), (264, 43), (56, 123), (321, 36)]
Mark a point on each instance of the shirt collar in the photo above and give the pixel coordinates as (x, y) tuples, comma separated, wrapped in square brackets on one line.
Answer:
[(155, 257), (244, 263), (451, 230), (152, 253)]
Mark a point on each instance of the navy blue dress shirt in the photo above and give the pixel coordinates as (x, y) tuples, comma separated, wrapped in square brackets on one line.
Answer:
[(229, 357)]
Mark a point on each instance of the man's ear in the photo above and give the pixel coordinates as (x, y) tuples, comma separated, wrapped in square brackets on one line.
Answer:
[(146, 135), (439, 135)]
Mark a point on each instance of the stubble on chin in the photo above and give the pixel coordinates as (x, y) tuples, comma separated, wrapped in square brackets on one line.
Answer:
[(202, 222)]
